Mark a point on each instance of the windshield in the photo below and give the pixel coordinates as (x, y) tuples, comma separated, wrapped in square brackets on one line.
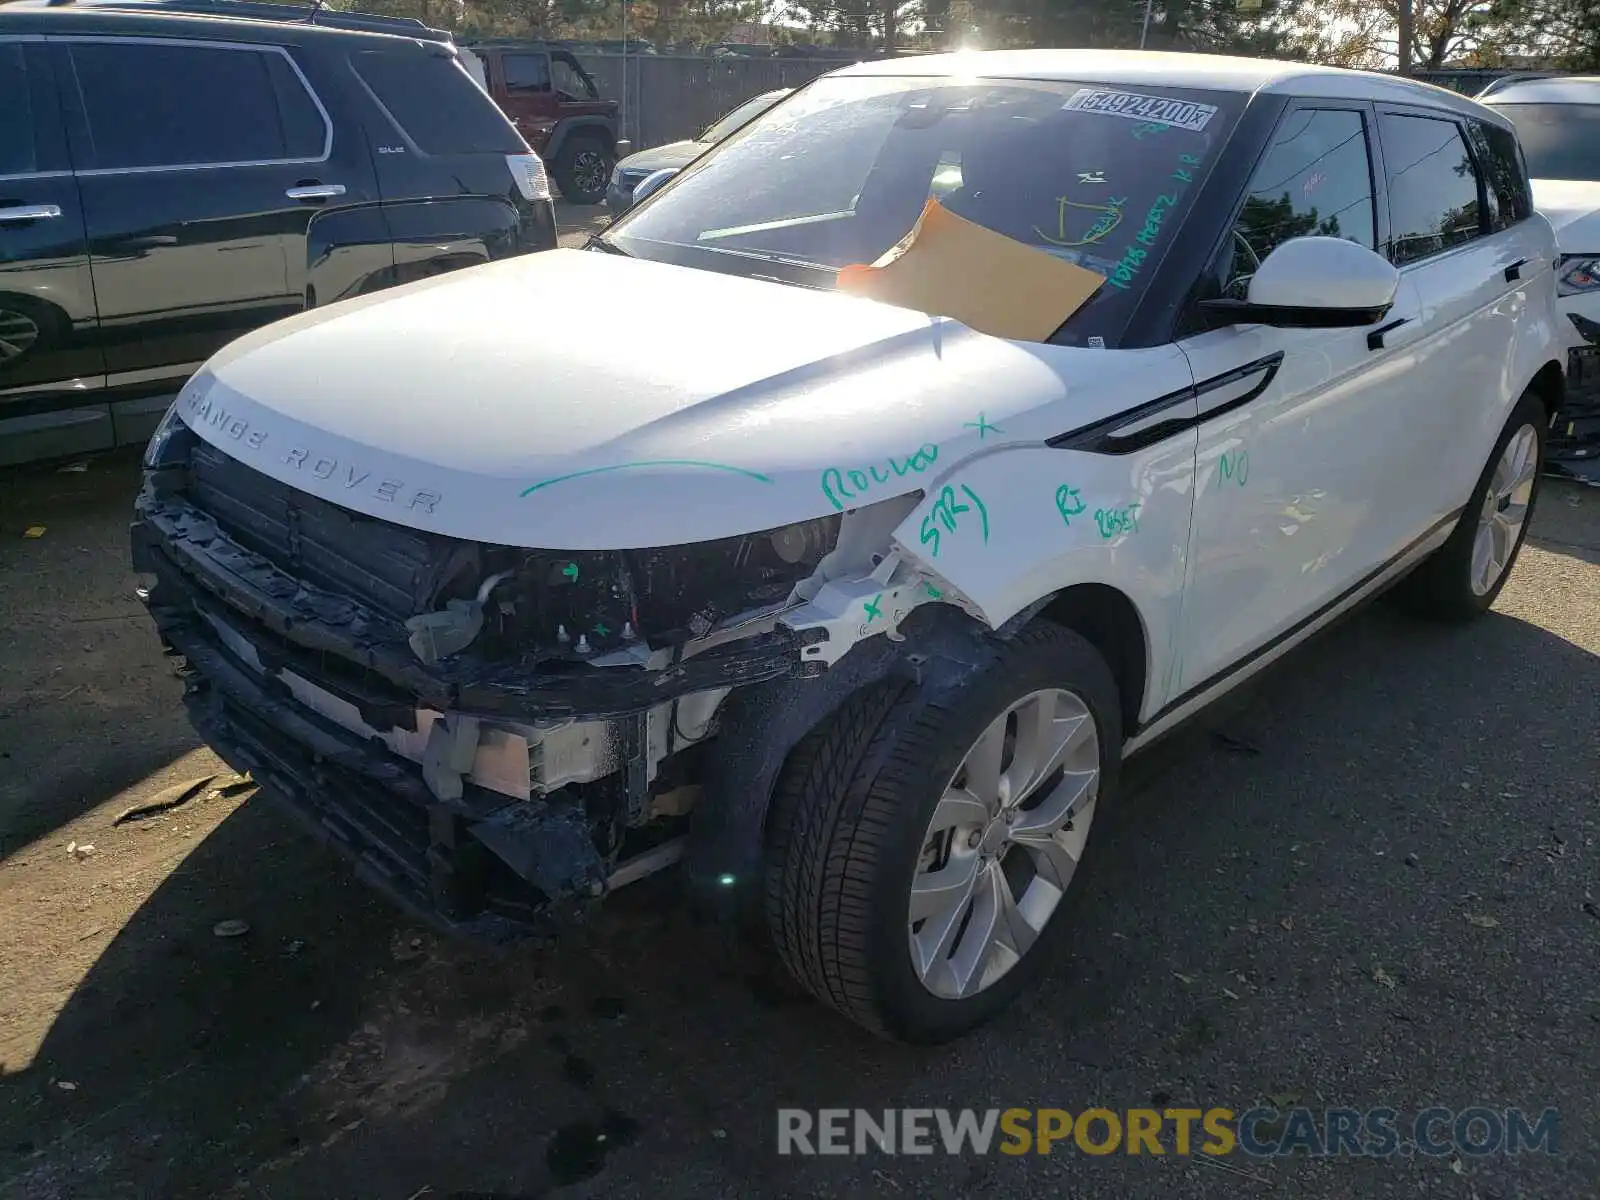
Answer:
[(740, 117), (839, 173), (1560, 141)]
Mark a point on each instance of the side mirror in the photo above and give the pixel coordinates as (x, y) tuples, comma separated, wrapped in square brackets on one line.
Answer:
[(1314, 283), (653, 182)]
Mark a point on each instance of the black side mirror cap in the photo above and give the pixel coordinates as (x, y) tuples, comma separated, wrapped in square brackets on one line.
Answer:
[(1242, 312)]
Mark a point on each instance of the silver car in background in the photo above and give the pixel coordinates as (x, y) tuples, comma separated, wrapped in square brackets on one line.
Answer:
[(636, 168)]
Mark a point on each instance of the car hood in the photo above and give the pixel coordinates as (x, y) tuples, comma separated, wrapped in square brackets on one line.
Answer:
[(1573, 207), (658, 158), (578, 400)]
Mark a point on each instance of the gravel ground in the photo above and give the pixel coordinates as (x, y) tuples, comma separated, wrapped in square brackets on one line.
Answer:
[(578, 224), (1371, 881)]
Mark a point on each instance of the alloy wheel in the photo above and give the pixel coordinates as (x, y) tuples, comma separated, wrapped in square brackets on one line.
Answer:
[(1003, 843), (1505, 509), (589, 170), (18, 333)]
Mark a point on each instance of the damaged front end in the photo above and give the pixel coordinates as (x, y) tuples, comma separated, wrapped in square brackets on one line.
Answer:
[(1573, 448), (497, 735)]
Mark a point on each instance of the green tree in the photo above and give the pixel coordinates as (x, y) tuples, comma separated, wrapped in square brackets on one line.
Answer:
[(1363, 33), (1563, 33)]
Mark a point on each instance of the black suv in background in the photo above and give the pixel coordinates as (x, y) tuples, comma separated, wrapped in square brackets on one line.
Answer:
[(173, 175)]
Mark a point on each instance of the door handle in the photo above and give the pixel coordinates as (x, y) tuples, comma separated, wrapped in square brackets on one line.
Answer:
[(1375, 338), (154, 242), (1514, 271), (316, 191), (29, 212)]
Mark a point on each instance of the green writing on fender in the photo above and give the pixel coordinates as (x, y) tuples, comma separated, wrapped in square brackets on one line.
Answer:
[(943, 518), (1113, 521), (840, 485), (1068, 503)]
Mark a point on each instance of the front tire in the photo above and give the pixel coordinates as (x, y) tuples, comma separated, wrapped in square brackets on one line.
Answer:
[(920, 850), (1462, 578), (583, 169)]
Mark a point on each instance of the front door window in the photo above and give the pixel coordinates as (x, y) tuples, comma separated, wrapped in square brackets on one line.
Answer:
[(1316, 178)]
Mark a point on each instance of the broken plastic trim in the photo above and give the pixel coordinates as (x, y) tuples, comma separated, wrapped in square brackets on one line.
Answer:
[(438, 635), (474, 863), (296, 625), (1573, 448)]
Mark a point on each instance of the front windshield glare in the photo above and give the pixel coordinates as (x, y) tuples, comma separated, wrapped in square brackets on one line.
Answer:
[(1096, 173)]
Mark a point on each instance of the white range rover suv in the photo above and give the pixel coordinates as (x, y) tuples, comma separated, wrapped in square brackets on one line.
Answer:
[(855, 609)]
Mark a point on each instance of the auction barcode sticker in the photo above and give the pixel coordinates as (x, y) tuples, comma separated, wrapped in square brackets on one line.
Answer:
[(1184, 114)]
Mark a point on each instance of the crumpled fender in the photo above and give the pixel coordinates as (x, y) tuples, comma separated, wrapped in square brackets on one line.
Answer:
[(1009, 529)]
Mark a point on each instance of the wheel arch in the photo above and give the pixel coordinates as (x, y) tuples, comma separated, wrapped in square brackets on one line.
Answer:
[(1549, 383), (1110, 621), (761, 726), (569, 128)]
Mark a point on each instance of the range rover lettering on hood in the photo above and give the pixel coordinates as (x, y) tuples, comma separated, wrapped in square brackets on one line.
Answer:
[(388, 490), (201, 412)]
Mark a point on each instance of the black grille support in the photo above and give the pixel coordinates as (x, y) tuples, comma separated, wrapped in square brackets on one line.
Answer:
[(362, 654)]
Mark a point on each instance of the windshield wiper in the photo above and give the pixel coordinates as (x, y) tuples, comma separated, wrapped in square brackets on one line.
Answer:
[(596, 242), (767, 257)]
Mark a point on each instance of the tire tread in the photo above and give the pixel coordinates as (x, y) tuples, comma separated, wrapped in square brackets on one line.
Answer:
[(833, 813)]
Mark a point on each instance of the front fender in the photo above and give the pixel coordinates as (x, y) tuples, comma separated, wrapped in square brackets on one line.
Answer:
[(1547, 337), (1003, 531)]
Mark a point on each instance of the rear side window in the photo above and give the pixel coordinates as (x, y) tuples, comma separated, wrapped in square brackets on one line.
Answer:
[(1433, 186), (435, 103), (526, 72), (150, 105), (1501, 164), (17, 153)]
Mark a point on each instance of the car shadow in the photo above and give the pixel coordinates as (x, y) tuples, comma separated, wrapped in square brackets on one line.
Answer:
[(314, 1054), (76, 720)]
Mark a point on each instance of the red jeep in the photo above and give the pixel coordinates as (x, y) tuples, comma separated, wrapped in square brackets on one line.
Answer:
[(555, 105)]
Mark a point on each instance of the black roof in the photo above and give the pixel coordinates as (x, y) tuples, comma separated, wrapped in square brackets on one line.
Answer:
[(155, 16)]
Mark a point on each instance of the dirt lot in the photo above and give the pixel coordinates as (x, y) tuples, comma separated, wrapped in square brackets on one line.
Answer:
[(1372, 881), (577, 224)]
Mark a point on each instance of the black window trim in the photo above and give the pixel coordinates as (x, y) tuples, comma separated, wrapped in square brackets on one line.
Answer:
[(35, 39), (1427, 112), (1484, 125), (1486, 220), (1186, 321), (70, 40)]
